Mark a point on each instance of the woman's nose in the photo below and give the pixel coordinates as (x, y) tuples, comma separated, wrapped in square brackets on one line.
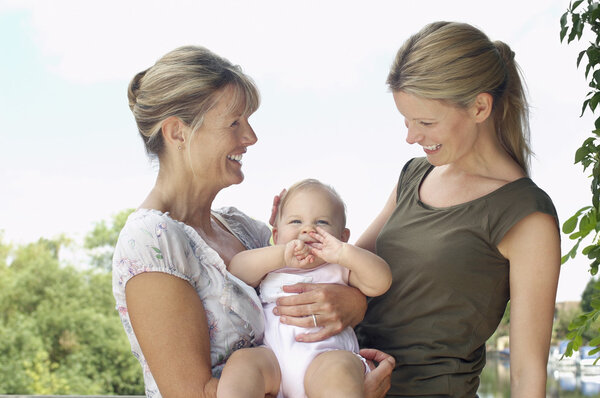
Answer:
[(249, 136), (412, 135)]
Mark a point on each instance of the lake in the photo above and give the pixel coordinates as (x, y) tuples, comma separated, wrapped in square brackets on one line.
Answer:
[(564, 380)]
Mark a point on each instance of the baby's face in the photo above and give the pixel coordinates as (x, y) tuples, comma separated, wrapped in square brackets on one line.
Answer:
[(304, 211)]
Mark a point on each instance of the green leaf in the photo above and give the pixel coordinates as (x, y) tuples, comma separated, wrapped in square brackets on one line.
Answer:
[(594, 101), (563, 19), (581, 153), (575, 18), (595, 341), (579, 321), (571, 335), (581, 54), (576, 4), (594, 267), (594, 351), (571, 253), (593, 253), (585, 104), (577, 342), (588, 142), (587, 249), (564, 28), (587, 223), (570, 224), (595, 12), (596, 303), (588, 67), (575, 235)]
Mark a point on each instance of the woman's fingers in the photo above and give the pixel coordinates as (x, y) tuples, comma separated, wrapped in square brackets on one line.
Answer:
[(334, 306), (372, 354), (378, 381), (275, 207), (298, 309), (299, 298), (295, 311), (321, 334)]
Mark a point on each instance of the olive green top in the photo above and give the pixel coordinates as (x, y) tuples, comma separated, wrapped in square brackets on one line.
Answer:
[(450, 284)]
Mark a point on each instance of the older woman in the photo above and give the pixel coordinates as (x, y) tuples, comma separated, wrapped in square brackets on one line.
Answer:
[(183, 312)]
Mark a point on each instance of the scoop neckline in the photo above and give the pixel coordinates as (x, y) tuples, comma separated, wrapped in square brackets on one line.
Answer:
[(192, 233), (467, 203)]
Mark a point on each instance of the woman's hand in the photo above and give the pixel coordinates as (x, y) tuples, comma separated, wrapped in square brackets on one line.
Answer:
[(334, 306), (275, 207), (378, 381)]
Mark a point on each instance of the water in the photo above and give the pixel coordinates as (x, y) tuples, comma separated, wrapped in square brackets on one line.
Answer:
[(564, 380)]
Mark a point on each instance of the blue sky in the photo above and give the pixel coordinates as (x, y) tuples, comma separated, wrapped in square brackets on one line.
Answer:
[(70, 154)]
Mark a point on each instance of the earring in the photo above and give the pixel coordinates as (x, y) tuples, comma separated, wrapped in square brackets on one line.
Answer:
[(180, 147)]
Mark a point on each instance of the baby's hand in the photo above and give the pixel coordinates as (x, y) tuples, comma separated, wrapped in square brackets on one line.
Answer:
[(297, 255), (328, 247)]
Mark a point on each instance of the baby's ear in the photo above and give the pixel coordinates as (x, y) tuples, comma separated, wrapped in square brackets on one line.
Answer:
[(345, 235)]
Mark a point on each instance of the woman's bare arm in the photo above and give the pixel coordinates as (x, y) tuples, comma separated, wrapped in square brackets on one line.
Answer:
[(170, 324), (367, 239), (533, 248)]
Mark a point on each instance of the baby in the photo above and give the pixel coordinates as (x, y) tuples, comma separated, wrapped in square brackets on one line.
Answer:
[(310, 246)]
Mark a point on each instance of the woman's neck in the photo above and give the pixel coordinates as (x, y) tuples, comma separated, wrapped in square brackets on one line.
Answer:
[(487, 159), (186, 200)]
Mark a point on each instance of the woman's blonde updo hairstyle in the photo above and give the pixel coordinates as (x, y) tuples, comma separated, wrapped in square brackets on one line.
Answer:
[(454, 62), (185, 83)]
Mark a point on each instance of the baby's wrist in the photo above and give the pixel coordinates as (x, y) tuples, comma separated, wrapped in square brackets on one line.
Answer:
[(342, 250)]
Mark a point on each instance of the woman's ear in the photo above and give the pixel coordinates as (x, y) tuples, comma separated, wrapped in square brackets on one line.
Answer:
[(173, 132), (482, 107), (274, 231)]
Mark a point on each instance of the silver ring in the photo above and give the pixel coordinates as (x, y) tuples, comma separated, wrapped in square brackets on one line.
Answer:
[(314, 320)]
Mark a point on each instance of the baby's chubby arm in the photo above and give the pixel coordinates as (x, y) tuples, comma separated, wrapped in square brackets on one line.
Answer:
[(251, 266), (368, 272)]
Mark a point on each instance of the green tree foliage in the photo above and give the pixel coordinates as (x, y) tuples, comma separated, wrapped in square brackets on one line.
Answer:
[(584, 225), (103, 238), (59, 330), (588, 295)]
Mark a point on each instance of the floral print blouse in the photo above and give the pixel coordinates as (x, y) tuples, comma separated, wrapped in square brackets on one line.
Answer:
[(151, 241)]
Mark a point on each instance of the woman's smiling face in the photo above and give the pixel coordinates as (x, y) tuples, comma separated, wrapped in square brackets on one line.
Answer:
[(446, 133), (218, 145)]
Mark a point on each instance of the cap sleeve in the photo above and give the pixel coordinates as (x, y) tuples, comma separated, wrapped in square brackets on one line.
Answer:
[(252, 233), (151, 242), (519, 200)]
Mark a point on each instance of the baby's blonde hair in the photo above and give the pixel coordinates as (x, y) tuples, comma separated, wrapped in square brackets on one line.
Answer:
[(311, 183)]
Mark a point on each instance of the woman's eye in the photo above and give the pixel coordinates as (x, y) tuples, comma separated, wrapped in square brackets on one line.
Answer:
[(235, 123), (425, 124)]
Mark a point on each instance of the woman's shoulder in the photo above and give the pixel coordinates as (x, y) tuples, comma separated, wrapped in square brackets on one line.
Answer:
[(515, 201), (413, 172), (252, 232), (150, 220), (526, 193), (151, 241)]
